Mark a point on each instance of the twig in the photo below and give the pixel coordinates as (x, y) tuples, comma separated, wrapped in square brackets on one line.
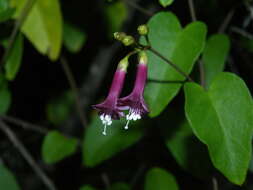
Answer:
[(21, 148), (106, 180), (138, 173), (137, 7), (226, 21), (200, 63), (248, 19), (30, 126), (24, 124), (171, 64), (192, 10), (148, 41), (19, 22), (75, 90), (242, 32), (215, 184), (166, 81)]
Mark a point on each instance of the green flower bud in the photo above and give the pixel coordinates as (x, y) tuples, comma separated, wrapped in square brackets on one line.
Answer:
[(143, 29), (128, 40), (119, 36)]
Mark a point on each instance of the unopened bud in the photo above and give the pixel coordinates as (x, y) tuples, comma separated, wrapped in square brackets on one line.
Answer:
[(143, 29), (128, 40), (119, 36)]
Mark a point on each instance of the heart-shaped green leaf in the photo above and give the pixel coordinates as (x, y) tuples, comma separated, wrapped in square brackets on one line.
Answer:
[(43, 26), (158, 178), (188, 151), (87, 187), (56, 147), (7, 179), (166, 3), (14, 59), (5, 95), (182, 47), (222, 118), (214, 56), (73, 38), (6, 11)]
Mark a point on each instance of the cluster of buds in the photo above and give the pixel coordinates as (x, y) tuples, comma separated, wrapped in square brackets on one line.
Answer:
[(113, 106), (128, 40)]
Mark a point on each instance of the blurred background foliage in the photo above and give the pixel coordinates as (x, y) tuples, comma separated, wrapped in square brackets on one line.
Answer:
[(58, 58)]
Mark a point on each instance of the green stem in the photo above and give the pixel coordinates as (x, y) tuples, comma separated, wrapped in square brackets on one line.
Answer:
[(74, 89)]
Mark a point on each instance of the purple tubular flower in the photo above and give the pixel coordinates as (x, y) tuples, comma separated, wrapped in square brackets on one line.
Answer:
[(109, 109), (135, 102)]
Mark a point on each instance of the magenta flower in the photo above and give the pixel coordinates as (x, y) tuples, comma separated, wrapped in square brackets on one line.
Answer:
[(135, 102), (109, 109)]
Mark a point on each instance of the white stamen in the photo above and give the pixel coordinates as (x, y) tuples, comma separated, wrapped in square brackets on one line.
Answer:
[(104, 131), (106, 120), (126, 126), (132, 115)]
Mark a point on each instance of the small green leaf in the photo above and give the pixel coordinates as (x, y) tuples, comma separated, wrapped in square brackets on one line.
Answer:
[(15, 58), (158, 178), (166, 3), (182, 47), (59, 109), (4, 4), (120, 186), (5, 100), (6, 14), (7, 179), (98, 147), (73, 38), (222, 118), (188, 151), (178, 144), (214, 56), (43, 26), (115, 21), (87, 187), (56, 147), (5, 95)]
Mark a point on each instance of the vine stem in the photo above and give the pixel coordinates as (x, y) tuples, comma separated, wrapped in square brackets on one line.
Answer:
[(215, 184), (137, 7), (30, 126), (200, 62), (24, 124), (75, 90), (170, 63), (19, 22), (21, 148), (192, 10), (226, 21)]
